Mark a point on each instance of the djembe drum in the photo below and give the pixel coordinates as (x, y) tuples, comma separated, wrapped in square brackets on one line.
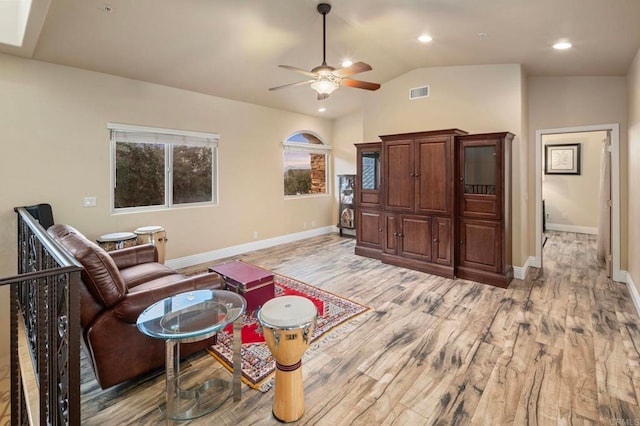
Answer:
[(116, 240), (287, 324), (155, 235)]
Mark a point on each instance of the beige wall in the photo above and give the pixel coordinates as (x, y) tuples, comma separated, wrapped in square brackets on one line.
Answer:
[(633, 81), (478, 99), (558, 102), (53, 122), (482, 98), (573, 199), (347, 131)]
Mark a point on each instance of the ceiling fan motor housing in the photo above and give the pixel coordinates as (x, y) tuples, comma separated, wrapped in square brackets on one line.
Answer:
[(324, 8)]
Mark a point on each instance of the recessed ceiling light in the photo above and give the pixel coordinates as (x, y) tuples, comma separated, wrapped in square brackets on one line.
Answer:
[(322, 109), (106, 8), (562, 45), (424, 38), (482, 35), (347, 63)]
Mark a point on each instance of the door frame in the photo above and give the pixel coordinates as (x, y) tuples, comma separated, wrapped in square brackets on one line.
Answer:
[(615, 190)]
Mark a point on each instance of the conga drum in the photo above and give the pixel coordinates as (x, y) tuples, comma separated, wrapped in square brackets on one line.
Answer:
[(116, 240), (155, 235), (287, 324)]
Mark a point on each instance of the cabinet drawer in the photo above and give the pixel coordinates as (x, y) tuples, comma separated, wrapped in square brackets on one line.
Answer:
[(480, 206), (370, 197)]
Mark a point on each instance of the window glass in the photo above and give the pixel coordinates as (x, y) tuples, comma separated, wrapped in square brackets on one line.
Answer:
[(480, 169), (192, 174), (305, 165), (154, 168), (139, 175), (370, 170)]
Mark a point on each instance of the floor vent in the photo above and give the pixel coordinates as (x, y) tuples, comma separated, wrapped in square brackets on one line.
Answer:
[(419, 92)]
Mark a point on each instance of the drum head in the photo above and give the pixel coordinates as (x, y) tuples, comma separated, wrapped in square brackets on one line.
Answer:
[(287, 312), (148, 229), (116, 236)]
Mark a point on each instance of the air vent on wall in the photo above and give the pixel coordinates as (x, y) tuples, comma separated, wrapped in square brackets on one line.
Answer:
[(419, 92)]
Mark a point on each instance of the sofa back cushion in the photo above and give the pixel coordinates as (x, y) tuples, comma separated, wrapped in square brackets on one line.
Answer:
[(100, 273)]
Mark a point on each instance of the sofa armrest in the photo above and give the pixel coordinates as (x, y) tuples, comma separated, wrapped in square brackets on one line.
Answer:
[(131, 256), (135, 302)]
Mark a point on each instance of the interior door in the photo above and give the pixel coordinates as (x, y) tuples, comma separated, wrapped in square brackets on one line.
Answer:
[(603, 242)]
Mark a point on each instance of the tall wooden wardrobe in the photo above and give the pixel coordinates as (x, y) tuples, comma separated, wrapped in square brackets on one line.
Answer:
[(437, 202)]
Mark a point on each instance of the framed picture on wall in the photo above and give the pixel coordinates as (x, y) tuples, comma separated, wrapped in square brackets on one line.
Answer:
[(562, 159)]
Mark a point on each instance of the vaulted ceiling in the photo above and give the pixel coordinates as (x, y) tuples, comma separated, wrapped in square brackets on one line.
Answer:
[(232, 48)]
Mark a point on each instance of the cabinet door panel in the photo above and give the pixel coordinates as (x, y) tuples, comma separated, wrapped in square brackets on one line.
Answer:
[(433, 176), (416, 237), (480, 244), (398, 182), (441, 240), (390, 234), (369, 228)]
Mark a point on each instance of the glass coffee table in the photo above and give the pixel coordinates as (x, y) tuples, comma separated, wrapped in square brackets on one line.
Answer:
[(191, 317)]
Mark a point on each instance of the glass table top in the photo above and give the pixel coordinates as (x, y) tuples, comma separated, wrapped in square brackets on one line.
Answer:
[(194, 314)]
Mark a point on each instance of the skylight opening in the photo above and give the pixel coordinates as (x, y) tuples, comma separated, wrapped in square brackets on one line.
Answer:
[(14, 15)]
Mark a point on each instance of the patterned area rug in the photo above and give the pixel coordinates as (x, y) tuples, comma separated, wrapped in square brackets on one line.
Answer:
[(336, 316)]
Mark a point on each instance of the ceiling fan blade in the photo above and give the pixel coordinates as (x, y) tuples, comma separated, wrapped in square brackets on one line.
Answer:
[(298, 83), (298, 70), (356, 68), (359, 84)]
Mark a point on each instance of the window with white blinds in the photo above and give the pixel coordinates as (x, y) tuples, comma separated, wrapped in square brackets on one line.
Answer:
[(161, 168)]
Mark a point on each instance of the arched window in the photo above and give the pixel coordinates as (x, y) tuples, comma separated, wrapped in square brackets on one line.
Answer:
[(305, 164)]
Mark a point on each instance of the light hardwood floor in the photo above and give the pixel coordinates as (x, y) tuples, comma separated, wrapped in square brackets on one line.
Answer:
[(561, 347)]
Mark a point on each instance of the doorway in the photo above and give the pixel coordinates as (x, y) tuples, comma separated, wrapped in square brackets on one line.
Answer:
[(613, 131), (572, 181)]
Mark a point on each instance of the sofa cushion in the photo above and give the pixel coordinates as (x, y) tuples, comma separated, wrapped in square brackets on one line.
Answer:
[(100, 273), (144, 295), (144, 272)]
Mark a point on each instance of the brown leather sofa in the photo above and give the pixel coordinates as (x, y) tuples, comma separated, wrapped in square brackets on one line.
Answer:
[(116, 287)]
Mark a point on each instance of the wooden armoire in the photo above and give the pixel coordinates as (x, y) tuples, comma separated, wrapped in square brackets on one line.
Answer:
[(437, 202)]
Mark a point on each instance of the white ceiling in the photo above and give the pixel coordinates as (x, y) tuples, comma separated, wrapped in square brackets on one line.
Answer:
[(232, 48)]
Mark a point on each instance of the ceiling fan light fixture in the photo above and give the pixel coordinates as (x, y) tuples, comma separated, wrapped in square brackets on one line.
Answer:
[(324, 87)]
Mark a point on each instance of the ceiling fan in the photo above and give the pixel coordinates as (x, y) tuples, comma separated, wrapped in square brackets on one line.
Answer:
[(325, 78)]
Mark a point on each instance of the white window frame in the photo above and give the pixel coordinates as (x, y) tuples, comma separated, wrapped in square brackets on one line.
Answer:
[(311, 148), (168, 137)]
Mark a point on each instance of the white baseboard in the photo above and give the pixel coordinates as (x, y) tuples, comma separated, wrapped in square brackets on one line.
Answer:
[(520, 272), (572, 228), (197, 259), (633, 291)]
